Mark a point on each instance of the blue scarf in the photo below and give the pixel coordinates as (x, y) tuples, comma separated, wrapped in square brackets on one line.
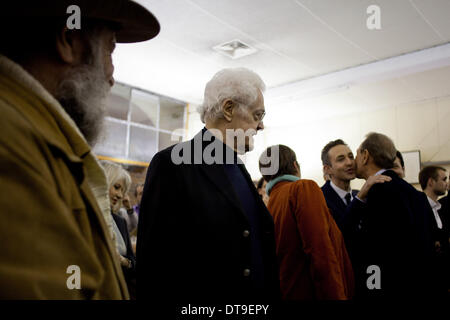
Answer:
[(286, 177)]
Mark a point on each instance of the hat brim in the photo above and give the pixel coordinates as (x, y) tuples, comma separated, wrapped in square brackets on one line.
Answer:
[(136, 23)]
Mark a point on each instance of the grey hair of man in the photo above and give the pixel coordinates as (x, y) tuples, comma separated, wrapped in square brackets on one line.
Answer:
[(115, 172), (381, 148), (240, 85)]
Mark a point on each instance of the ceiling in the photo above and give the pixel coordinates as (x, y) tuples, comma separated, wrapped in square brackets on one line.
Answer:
[(301, 43)]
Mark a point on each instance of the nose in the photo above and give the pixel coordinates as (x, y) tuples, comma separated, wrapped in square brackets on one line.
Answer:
[(260, 126)]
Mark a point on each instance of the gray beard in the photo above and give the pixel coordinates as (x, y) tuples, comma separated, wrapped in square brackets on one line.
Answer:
[(82, 94)]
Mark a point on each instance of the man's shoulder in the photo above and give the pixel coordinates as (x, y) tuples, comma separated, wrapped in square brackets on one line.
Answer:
[(326, 187), (397, 188), (19, 137), (173, 157)]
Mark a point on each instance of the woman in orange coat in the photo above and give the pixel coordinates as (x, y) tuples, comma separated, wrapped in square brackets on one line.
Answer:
[(312, 258)]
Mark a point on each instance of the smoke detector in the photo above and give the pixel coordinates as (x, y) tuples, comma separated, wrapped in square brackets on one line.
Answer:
[(235, 49)]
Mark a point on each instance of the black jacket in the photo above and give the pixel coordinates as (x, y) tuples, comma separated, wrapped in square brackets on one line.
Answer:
[(129, 273), (337, 207), (193, 243), (392, 230)]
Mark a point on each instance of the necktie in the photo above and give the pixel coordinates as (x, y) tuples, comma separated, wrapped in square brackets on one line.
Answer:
[(348, 198)]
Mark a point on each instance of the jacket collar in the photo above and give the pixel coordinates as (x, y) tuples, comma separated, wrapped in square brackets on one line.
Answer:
[(286, 177), (215, 172)]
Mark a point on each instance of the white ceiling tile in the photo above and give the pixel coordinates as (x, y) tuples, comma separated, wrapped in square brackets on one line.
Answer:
[(402, 28), (437, 13), (296, 39)]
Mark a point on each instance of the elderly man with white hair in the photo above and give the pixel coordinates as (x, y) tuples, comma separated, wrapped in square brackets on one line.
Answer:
[(204, 233)]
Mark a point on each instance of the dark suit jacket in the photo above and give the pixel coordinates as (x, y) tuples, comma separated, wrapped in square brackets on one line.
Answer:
[(394, 235), (129, 273), (337, 207), (443, 236), (192, 244), (444, 213)]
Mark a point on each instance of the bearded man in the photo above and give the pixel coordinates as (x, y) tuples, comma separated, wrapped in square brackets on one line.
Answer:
[(55, 242)]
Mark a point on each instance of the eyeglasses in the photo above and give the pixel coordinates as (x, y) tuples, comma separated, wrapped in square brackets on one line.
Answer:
[(259, 116)]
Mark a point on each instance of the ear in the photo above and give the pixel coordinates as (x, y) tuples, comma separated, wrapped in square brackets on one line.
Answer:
[(326, 169), (68, 46), (228, 109), (297, 167), (365, 154), (430, 182)]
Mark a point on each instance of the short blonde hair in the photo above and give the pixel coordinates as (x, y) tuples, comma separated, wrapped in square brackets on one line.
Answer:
[(115, 172)]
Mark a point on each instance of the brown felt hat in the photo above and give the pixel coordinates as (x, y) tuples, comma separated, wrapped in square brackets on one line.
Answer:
[(135, 22)]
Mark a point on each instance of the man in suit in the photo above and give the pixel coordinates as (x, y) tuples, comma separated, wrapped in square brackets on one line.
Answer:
[(433, 181), (390, 229), (339, 165), (204, 233), (444, 213)]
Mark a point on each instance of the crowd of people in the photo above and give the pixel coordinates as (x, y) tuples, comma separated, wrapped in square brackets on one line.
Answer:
[(201, 229)]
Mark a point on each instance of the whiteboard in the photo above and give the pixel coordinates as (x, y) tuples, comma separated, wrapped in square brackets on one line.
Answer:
[(412, 165)]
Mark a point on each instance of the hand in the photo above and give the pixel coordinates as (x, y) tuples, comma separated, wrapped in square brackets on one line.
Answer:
[(362, 194), (124, 262), (126, 202)]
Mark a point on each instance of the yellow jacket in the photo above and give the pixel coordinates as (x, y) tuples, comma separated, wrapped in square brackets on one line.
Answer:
[(50, 218)]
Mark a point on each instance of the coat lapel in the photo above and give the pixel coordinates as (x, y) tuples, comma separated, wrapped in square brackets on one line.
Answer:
[(335, 196), (216, 174)]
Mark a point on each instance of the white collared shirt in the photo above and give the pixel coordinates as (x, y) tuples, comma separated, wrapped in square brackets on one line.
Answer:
[(380, 172), (436, 206), (341, 192)]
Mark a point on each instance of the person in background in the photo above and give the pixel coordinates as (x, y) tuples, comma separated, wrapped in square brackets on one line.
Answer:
[(128, 213), (53, 84), (312, 258), (119, 182), (399, 165), (138, 195), (261, 188), (434, 183)]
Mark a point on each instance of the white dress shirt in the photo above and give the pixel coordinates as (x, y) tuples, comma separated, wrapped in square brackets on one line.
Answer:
[(341, 192), (436, 206)]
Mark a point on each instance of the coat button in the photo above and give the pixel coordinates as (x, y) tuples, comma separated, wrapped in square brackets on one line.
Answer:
[(246, 233), (246, 272)]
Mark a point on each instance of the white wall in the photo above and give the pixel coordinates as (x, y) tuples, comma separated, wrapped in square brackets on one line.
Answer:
[(423, 126)]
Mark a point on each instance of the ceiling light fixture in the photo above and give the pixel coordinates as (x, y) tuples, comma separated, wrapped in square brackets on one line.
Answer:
[(235, 49)]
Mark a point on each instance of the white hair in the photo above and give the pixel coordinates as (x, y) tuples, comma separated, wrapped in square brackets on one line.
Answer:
[(240, 85), (115, 172)]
